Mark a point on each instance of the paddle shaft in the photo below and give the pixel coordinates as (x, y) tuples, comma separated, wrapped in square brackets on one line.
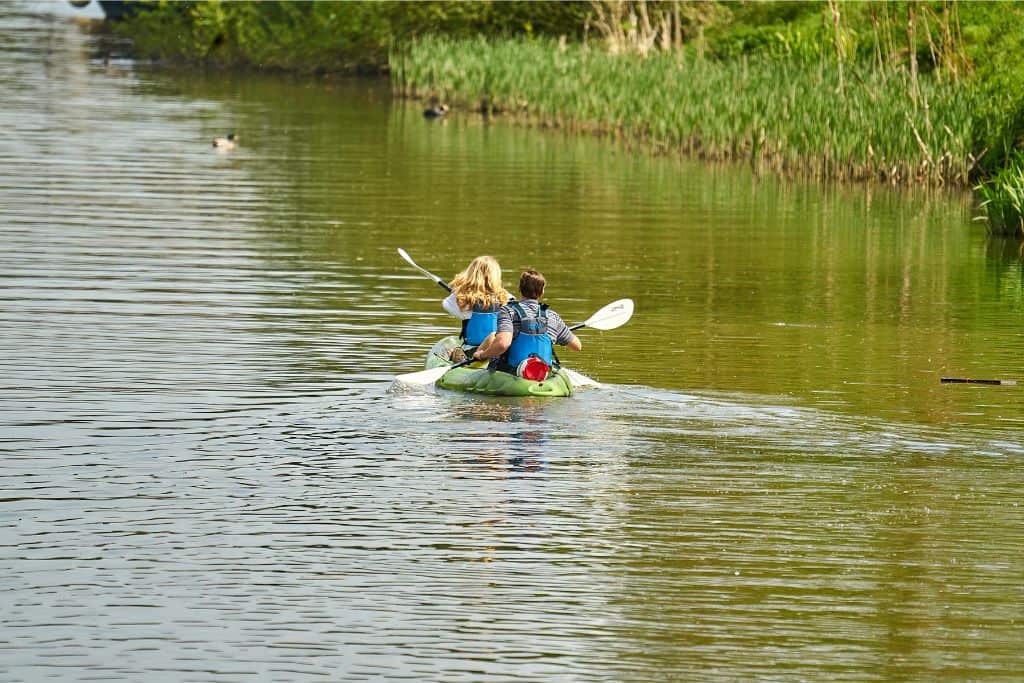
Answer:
[(440, 283)]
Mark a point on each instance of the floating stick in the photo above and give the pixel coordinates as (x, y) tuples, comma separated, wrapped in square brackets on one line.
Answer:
[(965, 380)]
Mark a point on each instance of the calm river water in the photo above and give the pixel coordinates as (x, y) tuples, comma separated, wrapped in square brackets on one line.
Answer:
[(205, 478)]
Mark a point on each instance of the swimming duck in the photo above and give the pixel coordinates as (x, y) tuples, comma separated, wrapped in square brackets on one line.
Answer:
[(226, 143), (435, 111)]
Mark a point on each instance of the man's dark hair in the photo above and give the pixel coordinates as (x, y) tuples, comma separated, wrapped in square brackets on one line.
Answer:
[(531, 284)]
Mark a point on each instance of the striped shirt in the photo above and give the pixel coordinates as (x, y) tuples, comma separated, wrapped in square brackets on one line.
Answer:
[(557, 329)]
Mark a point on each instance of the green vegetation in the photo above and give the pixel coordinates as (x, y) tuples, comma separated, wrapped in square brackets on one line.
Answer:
[(1003, 198), (274, 35), (326, 37), (902, 92), (780, 114)]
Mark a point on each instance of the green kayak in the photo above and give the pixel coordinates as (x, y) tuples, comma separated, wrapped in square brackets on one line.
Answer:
[(476, 378)]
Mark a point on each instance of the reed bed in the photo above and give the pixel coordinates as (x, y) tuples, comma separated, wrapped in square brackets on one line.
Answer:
[(1002, 198), (783, 116)]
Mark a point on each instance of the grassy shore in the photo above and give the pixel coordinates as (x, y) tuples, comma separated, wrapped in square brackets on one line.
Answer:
[(781, 115), (1002, 198), (921, 92)]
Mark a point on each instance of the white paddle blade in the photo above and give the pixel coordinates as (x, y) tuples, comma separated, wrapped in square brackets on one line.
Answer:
[(423, 377), (408, 259), (580, 381), (615, 314)]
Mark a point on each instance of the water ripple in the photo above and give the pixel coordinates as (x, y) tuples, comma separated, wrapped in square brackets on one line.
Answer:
[(204, 476)]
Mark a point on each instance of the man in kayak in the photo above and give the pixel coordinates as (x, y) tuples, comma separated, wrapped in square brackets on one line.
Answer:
[(527, 332)]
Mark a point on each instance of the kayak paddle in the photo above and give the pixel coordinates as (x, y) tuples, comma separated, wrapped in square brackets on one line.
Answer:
[(611, 316), (425, 377), (408, 259), (615, 314), (578, 380)]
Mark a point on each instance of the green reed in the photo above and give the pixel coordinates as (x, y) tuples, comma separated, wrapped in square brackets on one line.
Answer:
[(783, 116), (1002, 198)]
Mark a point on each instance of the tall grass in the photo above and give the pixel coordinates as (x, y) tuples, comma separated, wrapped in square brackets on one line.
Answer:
[(785, 116), (1002, 198)]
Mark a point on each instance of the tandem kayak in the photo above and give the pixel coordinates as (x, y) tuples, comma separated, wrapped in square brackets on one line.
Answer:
[(477, 379)]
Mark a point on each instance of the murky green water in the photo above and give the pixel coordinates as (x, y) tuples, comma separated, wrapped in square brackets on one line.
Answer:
[(204, 476)]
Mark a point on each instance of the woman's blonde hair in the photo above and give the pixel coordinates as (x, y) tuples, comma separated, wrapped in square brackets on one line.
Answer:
[(479, 284)]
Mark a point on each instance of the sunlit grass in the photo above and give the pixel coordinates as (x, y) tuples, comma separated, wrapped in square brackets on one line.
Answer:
[(783, 116), (1002, 198)]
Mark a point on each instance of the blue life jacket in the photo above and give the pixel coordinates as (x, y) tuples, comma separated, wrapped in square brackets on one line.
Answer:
[(533, 339), (483, 322)]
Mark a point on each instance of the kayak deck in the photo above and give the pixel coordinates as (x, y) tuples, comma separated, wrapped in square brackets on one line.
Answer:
[(476, 378)]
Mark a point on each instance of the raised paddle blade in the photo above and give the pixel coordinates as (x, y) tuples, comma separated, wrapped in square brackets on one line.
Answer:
[(615, 314), (408, 259)]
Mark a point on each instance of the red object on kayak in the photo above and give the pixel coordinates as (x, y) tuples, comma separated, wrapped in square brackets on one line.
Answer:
[(533, 368)]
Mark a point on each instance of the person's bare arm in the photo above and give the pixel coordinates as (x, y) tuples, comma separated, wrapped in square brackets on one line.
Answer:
[(565, 337), (502, 340)]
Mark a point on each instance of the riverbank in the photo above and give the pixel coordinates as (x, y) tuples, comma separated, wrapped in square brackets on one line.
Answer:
[(326, 37), (902, 93), (782, 115)]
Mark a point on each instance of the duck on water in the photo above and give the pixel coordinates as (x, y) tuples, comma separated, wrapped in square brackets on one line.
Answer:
[(230, 142), (435, 111)]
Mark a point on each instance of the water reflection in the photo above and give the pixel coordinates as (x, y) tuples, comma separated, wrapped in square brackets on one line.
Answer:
[(204, 476), (513, 435), (1005, 270), (855, 299)]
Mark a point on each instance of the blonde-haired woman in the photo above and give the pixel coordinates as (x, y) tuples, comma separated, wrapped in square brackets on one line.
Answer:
[(477, 295)]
